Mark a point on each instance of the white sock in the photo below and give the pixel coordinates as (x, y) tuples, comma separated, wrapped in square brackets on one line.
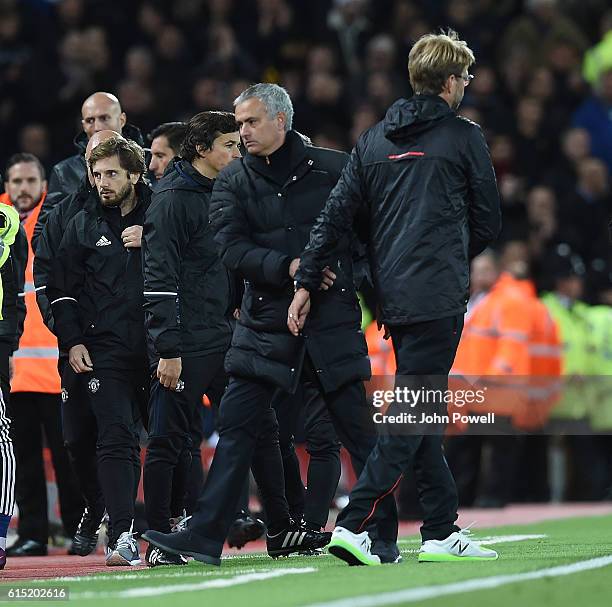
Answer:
[(2, 543)]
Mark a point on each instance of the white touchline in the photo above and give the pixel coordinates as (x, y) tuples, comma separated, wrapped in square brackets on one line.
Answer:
[(135, 593), (411, 595), (141, 575)]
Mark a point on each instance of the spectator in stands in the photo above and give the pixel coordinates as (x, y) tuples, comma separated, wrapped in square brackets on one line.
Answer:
[(595, 116)]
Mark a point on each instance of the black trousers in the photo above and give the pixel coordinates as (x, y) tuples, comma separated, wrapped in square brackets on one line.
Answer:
[(248, 434), (80, 431), (173, 431), (248, 438), (421, 349), (313, 503), (36, 420), (115, 397)]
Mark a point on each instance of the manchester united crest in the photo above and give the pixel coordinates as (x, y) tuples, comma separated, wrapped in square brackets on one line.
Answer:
[(94, 385)]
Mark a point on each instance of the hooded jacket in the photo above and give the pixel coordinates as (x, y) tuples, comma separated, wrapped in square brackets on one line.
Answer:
[(187, 291), (421, 184)]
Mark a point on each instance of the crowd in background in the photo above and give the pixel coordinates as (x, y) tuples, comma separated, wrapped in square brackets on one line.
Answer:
[(542, 90)]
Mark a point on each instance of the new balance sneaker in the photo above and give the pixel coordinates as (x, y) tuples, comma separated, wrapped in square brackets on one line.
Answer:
[(353, 548), (296, 538), (86, 537), (2, 558), (387, 551), (125, 551), (244, 529), (458, 546), (156, 557)]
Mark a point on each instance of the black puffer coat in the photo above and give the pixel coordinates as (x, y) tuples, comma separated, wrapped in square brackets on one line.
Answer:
[(262, 223)]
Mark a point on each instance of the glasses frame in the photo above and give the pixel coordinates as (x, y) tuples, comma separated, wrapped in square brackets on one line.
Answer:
[(466, 79)]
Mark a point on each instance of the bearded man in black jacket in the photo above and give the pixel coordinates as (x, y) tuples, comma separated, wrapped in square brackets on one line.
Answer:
[(100, 111), (78, 420), (423, 178), (95, 290), (263, 208)]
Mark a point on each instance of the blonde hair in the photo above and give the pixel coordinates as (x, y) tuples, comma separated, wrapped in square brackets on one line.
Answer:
[(434, 57)]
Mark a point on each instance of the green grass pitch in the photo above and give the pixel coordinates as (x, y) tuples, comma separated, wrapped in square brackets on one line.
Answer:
[(257, 581)]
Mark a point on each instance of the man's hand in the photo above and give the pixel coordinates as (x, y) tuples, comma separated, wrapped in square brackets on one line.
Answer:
[(298, 311), (132, 237), (328, 276), (293, 267), (236, 314), (327, 280), (79, 359), (169, 371)]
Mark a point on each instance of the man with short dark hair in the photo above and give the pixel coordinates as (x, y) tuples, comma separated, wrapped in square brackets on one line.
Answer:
[(165, 140), (35, 385), (423, 181), (95, 290), (183, 274)]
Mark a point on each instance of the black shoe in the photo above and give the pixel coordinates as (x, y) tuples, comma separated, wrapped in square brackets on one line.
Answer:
[(296, 538), (27, 548), (181, 542), (156, 556), (387, 551), (86, 537), (244, 529)]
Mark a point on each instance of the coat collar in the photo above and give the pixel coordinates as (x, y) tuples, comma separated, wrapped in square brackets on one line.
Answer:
[(299, 161)]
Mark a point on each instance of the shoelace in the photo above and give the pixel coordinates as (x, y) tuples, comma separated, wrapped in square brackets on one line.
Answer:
[(181, 523), (466, 532), (127, 540)]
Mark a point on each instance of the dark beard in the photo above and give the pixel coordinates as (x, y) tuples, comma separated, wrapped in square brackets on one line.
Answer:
[(121, 196)]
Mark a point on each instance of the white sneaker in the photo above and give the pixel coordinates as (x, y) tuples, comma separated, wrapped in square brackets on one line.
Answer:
[(353, 548), (458, 546), (125, 552)]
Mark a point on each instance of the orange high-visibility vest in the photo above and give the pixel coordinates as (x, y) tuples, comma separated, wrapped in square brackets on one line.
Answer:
[(545, 362), (35, 362), (380, 351), (494, 345)]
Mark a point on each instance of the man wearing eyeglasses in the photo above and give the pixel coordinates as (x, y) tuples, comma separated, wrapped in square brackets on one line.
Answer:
[(423, 183)]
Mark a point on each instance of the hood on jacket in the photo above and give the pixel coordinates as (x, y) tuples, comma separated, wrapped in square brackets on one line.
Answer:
[(180, 175), (407, 118), (130, 132)]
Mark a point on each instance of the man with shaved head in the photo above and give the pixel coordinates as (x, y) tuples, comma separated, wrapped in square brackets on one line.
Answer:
[(78, 422), (99, 112)]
